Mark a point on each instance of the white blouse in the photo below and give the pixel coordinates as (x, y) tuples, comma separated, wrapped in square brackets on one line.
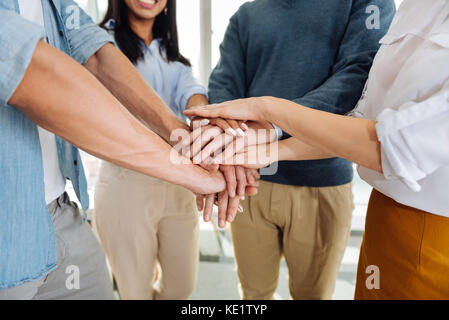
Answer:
[(408, 94)]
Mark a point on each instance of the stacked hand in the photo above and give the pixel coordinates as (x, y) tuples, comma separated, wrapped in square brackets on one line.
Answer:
[(213, 142)]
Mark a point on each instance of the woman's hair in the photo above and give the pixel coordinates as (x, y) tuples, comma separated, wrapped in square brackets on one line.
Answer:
[(165, 28)]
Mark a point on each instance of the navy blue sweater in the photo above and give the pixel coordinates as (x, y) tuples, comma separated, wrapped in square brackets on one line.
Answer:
[(314, 52)]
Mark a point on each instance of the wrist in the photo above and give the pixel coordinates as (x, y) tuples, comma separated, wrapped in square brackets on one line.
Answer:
[(174, 131), (266, 107)]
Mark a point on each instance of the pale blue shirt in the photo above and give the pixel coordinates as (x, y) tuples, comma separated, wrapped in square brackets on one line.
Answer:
[(27, 236), (172, 81)]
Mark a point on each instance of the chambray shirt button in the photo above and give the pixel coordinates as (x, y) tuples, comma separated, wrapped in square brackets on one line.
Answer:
[(75, 162), (61, 33)]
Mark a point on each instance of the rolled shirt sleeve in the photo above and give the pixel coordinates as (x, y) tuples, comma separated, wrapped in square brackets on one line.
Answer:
[(186, 87), (415, 139), (87, 38), (18, 40)]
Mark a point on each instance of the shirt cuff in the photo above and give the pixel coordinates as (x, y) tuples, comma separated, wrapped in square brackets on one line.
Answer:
[(18, 40), (190, 93), (410, 152), (86, 41)]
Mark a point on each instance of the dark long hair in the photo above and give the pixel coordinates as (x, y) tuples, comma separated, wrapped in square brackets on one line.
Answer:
[(165, 28)]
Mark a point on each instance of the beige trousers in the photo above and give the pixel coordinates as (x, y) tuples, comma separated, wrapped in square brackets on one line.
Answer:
[(143, 223), (308, 226)]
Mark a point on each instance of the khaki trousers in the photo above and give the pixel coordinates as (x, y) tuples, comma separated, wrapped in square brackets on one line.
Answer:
[(308, 226), (144, 222)]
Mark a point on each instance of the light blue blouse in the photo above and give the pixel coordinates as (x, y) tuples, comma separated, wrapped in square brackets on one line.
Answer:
[(172, 81)]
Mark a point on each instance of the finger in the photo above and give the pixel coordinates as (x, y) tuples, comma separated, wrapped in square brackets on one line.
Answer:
[(203, 139), (228, 155), (236, 127), (254, 174), (215, 147), (231, 179), (243, 125), (195, 134), (198, 122), (224, 125), (233, 208), (208, 208), (213, 167), (200, 202), (249, 176), (222, 208), (210, 167), (251, 191), (241, 180)]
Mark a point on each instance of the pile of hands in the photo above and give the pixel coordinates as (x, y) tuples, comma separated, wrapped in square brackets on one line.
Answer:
[(214, 144)]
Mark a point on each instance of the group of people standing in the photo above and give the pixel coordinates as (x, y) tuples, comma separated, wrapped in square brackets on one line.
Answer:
[(309, 73)]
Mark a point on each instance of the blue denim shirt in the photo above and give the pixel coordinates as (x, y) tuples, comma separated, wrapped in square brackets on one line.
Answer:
[(27, 238)]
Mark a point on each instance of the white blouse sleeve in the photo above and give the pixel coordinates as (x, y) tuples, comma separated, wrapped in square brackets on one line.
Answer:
[(415, 139)]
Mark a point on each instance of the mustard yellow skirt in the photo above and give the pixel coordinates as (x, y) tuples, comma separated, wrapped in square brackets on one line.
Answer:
[(404, 254)]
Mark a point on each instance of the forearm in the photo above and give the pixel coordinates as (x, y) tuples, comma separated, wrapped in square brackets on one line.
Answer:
[(60, 96), (197, 100), (346, 137), (122, 79), (293, 149)]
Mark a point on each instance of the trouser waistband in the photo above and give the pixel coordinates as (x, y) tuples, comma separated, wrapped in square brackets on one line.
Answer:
[(57, 203)]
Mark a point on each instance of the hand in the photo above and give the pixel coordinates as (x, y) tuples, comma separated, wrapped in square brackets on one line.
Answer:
[(208, 147), (229, 205), (239, 180), (251, 157), (232, 127), (242, 109), (211, 182)]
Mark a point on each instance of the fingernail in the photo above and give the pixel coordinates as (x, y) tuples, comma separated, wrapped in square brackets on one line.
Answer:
[(230, 218), (240, 209), (240, 132), (242, 198), (204, 122), (231, 131), (245, 126), (221, 223)]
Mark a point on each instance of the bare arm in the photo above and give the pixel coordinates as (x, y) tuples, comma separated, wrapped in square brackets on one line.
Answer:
[(122, 79), (350, 138), (293, 149), (346, 137), (61, 96)]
